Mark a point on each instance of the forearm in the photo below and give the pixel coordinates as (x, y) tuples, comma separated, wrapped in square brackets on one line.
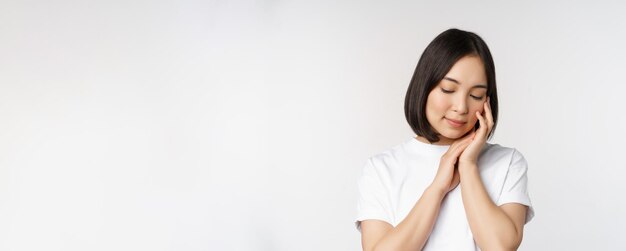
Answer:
[(413, 232), (491, 227)]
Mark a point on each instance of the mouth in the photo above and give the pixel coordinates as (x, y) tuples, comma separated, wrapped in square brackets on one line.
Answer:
[(455, 123)]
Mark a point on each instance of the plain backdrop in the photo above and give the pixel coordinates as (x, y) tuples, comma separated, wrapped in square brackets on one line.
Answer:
[(243, 125)]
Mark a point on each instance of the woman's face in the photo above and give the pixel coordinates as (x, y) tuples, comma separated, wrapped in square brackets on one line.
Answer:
[(451, 106)]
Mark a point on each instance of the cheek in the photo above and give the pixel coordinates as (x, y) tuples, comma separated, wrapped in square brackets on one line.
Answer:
[(437, 103), (473, 110)]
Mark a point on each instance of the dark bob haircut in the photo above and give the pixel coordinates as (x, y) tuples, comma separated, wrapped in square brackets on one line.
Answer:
[(437, 59)]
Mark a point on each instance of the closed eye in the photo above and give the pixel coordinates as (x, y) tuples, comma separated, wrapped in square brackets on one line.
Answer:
[(474, 97)]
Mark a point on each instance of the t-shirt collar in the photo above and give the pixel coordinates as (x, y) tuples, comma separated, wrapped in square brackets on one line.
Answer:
[(417, 146)]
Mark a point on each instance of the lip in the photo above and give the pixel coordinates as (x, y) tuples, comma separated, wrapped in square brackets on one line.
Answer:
[(455, 123)]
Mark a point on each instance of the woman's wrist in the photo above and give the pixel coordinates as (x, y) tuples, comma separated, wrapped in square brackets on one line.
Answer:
[(465, 166), (441, 192)]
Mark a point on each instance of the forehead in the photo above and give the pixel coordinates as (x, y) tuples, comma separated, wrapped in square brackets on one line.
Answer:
[(467, 71)]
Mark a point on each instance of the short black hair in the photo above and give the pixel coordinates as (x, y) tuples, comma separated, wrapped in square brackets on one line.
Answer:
[(436, 61)]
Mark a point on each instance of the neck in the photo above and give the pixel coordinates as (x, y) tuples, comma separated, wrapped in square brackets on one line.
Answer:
[(443, 141)]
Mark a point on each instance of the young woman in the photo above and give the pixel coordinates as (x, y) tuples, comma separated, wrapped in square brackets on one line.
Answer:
[(447, 188)]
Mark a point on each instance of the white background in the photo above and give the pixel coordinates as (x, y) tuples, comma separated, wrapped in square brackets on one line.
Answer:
[(242, 125)]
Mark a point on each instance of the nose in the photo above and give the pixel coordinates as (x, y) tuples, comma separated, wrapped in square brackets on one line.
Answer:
[(460, 105)]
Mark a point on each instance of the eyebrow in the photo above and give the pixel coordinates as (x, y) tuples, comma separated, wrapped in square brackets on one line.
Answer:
[(458, 83)]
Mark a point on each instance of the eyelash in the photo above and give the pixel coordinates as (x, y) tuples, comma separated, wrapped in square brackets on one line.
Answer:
[(474, 97)]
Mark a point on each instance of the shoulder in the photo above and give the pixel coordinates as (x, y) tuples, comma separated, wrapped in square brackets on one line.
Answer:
[(498, 153), (385, 162)]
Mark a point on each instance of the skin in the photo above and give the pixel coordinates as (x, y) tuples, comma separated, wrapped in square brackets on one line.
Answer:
[(461, 96), (458, 96)]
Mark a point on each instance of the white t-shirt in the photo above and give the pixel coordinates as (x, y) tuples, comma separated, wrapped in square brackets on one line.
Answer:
[(392, 181)]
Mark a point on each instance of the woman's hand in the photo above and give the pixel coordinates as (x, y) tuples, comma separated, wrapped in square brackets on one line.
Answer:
[(447, 177), (470, 155)]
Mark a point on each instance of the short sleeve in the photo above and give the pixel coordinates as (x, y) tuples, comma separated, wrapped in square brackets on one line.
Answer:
[(515, 188), (373, 199)]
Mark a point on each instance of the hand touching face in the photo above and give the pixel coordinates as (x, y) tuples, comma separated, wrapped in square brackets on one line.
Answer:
[(452, 105), (472, 152)]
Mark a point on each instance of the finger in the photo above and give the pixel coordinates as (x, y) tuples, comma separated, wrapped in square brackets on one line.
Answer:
[(454, 152), (472, 135), (458, 142), (489, 114), (482, 131), (459, 145), (460, 148)]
